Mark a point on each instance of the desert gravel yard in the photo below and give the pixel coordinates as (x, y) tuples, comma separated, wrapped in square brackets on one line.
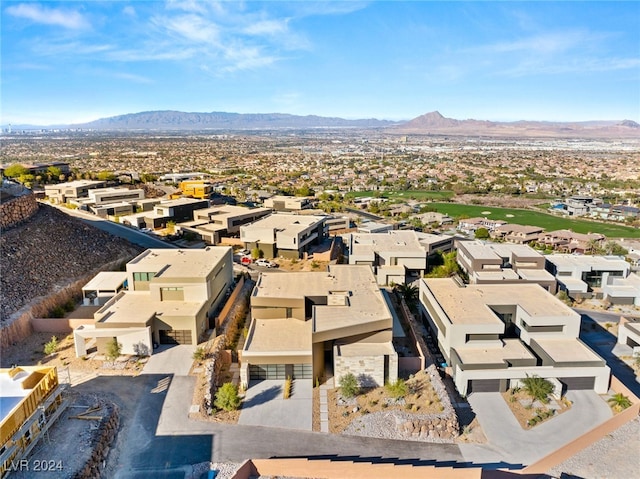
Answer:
[(615, 456)]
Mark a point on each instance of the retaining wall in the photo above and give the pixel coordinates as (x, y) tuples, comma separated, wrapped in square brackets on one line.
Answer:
[(108, 429), (17, 209)]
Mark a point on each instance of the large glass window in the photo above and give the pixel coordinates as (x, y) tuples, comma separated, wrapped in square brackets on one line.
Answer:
[(143, 276)]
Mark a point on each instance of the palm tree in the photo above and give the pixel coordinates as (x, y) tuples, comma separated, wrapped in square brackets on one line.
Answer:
[(619, 401), (408, 292)]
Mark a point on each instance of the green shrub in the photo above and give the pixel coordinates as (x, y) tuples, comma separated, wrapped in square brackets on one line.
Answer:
[(199, 354), (227, 397), (537, 387), (619, 401), (69, 306), (51, 346), (114, 348), (57, 312), (349, 386), (397, 389)]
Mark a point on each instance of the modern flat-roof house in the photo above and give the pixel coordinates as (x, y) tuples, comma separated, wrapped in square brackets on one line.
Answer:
[(71, 190), (470, 225), (177, 210), (201, 189), (374, 227), (521, 234), (309, 325), (288, 203), (494, 335), (486, 263), (30, 402), (395, 255), (629, 333), (566, 241), (286, 235), (580, 276), (171, 297), (103, 286), (213, 224), (619, 290)]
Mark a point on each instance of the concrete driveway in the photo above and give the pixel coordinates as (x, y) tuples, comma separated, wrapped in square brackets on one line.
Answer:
[(264, 405), (170, 359), (519, 446)]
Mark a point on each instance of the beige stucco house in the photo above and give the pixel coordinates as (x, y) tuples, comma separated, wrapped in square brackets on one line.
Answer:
[(310, 325), (171, 297), (494, 335)]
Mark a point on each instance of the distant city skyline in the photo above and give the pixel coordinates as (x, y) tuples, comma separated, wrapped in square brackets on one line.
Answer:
[(74, 61)]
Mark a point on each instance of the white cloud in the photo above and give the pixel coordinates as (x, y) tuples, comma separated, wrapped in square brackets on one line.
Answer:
[(267, 27), (129, 11), (49, 16), (191, 27), (133, 78)]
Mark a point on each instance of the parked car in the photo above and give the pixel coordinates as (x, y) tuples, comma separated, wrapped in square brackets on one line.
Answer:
[(244, 252), (246, 260), (265, 263)]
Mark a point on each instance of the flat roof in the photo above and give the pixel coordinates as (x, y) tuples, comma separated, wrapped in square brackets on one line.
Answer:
[(572, 284), (588, 261), (75, 184), (222, 211), (285, 222), (567, 350), (498, 275), (535, 274), (179, 202), (479, 250), (279, 335), (355, 283), (471, 304), (403, 241), (106, 281), (138, 307), (509, 349), (179, 263)]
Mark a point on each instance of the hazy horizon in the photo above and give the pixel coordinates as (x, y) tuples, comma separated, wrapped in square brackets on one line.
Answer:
[(74, 62)]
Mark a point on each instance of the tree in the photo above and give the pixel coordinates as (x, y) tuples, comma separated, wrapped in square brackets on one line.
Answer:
[(619, 401), (447, 265), (227, 397), (256, 253), (114, 348), (408, 292), (15, 170), (51, 346), (482, 233), (613, 248), (106, 175), (538, 388), (349, 386)]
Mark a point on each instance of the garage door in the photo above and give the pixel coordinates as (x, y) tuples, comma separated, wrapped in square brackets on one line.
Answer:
[(578, 383), (175, 336), (280, 371), (483, 386)]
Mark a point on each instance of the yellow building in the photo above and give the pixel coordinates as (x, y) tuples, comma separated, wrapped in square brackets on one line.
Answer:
[(196, 189), (30, 400)]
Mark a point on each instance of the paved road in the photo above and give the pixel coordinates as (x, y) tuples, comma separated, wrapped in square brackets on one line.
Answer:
[(158, 440), (130, 234)]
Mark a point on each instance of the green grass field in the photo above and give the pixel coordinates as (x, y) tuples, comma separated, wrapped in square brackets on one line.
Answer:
[(535, 218), (406, 194)]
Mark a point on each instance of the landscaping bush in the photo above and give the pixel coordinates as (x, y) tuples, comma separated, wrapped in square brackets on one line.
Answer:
[(227, 397), (537, 387), (114, 348), (397, 389), (286, 393), (349, 386), (619, 401), (199, 354), (51, 346)]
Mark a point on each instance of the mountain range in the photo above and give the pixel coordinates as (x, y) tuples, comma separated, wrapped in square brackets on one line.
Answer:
[(430, 123)]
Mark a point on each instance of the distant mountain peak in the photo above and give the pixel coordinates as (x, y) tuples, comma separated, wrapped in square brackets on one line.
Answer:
[(630, 124)]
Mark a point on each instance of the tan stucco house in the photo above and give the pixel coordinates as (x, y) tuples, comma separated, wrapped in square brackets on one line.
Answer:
[(311, 325), (171, 297)]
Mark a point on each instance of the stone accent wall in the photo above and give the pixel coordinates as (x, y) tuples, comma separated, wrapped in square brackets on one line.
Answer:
[(107, 431), (17, 209), (368, 369), (441, 426)]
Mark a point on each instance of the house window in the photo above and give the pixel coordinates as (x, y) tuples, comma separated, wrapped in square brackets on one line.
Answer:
[(289, 312), (143, 276)]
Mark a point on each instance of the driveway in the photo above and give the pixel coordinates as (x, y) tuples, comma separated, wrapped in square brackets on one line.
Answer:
[(170, 359), (519, 446), (264, 405)]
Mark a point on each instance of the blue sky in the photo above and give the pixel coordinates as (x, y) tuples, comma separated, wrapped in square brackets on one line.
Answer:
[(75, 61)]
